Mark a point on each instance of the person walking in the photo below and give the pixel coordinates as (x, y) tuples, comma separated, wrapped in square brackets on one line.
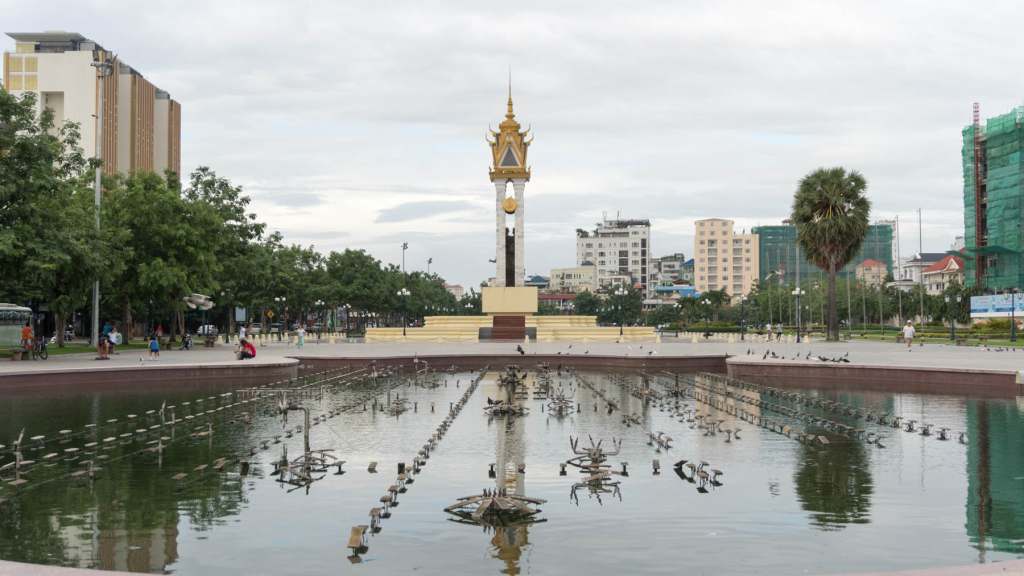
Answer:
[(241, 332), (301, 333), (768, 329), (114, 338), (154, 347), (908, 334)]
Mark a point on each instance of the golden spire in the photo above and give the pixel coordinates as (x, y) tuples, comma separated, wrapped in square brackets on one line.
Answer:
[(510, 115)]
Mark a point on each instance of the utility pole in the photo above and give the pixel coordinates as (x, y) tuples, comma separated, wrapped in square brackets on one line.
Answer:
[(103, 69), (797, 292), (899, 266), (920, 250), (405, 246)]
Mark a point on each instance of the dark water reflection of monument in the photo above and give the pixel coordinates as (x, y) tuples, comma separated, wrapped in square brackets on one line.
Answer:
[(995, 481)]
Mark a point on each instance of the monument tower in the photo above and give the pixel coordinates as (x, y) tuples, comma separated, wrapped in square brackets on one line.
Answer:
[(509, 173)]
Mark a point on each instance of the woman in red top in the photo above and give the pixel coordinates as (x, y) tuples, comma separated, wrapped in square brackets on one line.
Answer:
[(247, 350)]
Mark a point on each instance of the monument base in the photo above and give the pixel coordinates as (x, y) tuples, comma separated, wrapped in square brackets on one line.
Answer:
[(506, 301)]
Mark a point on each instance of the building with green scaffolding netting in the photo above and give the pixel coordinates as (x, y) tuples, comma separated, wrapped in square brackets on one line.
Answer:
[(778, 258), (993, 175)]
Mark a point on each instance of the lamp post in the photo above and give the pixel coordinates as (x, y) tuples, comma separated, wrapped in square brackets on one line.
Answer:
[(707, 313), (952, 314), (797, 293), (1013, 314), (346, 308), (280, 302), (320, 319), (621, 292), (103, 69), (404, 295), (743, 316), (405, 246)]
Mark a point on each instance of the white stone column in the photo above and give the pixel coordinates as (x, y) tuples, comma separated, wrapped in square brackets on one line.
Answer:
[(519, 185), (499, 246)]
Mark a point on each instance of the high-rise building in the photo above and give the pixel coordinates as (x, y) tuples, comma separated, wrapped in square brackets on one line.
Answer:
[(723, 259), (778, 253), (993, 191), (141, 123), (620, 250)]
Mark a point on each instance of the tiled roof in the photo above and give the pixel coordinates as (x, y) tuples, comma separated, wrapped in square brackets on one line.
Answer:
[(944, 263)]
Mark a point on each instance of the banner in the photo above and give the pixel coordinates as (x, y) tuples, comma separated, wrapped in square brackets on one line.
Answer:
[(997, 306)]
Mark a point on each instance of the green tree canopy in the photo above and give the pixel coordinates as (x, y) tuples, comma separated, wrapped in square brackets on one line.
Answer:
[(830, 212)]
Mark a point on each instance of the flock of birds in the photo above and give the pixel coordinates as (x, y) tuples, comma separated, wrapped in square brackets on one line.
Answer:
[(768, 353)]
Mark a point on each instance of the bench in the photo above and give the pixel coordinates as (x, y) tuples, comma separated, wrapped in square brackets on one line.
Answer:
[(357, 538)]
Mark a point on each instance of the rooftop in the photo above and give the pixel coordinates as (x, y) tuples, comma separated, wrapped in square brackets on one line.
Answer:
[(54, 40)]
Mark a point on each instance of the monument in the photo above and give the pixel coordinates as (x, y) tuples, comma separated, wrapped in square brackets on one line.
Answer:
[(509, 307), (508, 301)]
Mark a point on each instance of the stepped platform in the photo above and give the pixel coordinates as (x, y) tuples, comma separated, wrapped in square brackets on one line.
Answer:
[(542, 329)]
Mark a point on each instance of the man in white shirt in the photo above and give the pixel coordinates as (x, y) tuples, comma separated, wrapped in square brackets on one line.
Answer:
[(908, 334), (241, 332)]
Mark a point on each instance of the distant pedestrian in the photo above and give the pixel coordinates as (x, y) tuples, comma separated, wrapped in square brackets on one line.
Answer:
[(27, 336), (778, 332), (114, 339), (301, 333), (241, 332), (908, 334), (768, 329), (107, 327), (154, 347)]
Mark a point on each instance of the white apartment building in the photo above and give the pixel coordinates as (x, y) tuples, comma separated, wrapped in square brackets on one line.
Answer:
[(618, 249), (141, 123), (723, 259), (575, 279)]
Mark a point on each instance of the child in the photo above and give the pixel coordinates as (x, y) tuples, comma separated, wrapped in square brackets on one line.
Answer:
[(154, 347)]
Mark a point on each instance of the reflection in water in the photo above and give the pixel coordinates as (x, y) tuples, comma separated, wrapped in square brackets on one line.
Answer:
[(995, 485), (834, 483)]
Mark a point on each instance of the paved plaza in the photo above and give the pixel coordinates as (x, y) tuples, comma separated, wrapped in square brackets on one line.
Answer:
[(859, 353)]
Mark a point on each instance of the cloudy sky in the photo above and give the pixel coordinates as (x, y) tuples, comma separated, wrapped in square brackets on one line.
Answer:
[(361, 124)]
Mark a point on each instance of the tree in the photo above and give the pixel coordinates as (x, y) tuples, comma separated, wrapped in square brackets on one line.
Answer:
[(830, 212), (49, 250), (587, 304)]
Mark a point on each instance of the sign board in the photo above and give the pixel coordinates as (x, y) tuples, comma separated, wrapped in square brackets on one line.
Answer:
[(270, 313), (240, 314), (997, 306)]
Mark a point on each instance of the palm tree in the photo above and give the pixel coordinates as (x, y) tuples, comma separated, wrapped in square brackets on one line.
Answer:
[(830, 212)]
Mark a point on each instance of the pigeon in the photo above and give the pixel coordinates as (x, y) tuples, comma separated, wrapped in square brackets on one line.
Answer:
[(519, 349)]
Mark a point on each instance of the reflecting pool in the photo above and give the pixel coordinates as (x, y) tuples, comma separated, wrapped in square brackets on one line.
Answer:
[(201, 496)]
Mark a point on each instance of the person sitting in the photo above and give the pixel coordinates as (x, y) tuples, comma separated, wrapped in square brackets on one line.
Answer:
[(246, 350)]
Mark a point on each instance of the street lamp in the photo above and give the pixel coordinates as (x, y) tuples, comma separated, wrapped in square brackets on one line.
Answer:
[(743, 315), (1013, 314), (797, 292), (104, 68), (320, 319), (346, 308), (621, 292), (403, 294), (280, 300), (707, 313), (953, 315)]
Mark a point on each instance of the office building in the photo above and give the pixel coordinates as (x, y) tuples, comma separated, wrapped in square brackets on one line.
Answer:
[(778, 253), (574, 280), (621, 252), (724, 259), (141, 123)]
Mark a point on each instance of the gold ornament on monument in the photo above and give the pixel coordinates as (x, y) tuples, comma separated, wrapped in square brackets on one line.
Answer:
[(509, 205)]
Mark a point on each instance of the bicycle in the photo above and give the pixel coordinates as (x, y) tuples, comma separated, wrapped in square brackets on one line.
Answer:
[(39, 349)]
